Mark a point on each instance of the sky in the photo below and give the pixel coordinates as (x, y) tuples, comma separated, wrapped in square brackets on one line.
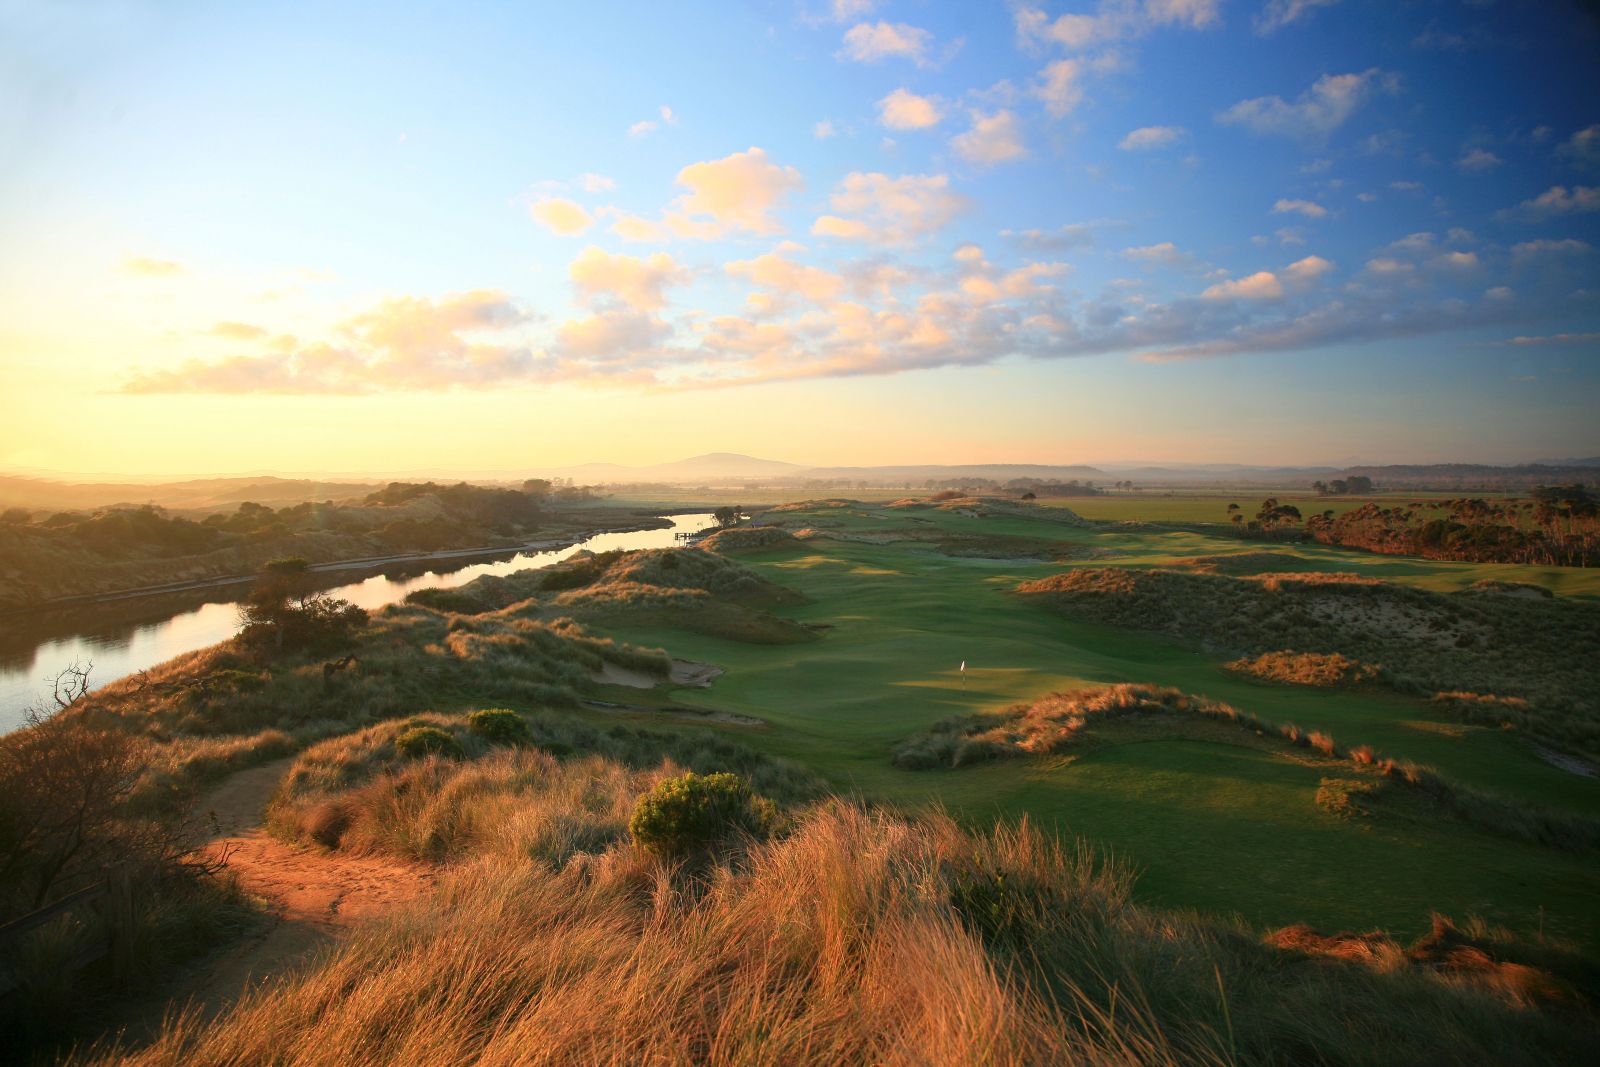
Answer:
[(338, 237)]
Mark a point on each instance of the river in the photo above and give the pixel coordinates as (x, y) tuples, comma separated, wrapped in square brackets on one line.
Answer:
[(124, 636)]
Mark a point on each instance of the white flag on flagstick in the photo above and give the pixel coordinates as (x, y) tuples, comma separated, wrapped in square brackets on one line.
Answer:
[(963, 666)]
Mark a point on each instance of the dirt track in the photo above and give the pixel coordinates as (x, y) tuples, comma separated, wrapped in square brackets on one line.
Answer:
[(313, 897)]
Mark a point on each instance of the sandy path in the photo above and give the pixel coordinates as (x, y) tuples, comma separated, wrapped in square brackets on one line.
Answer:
[(312, 897)]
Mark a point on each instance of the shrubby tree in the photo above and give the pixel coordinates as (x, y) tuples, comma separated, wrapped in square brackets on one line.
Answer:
[(284, 610)]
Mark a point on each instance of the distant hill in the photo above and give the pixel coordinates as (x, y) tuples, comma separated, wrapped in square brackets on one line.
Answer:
[(204, 494)]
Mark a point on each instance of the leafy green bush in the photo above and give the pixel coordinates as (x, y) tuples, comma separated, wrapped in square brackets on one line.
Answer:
[(499, 725), (419, 741), (694, 812)]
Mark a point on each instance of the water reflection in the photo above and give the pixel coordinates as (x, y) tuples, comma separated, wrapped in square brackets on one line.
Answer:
[(124, 636)]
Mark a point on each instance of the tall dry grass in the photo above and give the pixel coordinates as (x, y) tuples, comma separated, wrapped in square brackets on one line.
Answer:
[(858, 938)]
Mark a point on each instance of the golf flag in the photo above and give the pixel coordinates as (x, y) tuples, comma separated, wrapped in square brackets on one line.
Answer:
[(963, 666)]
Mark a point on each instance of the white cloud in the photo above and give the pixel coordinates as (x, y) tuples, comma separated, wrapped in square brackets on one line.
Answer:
[(562, 216), (1262, 285), (823, 130), (1059, 87), (878, 209), (1583, 147), (1073, 235), (1559, 200), (845, 10), (1307, 270), (1280, 13), (607, 340), (1478, 159), (1529, 250), (1320, 110), (1556, 339), (1146, 138), (150, 267), (736, 192), (773, 271), (1308, 208), (644, 126), (870, 42), (993, 138), (905, 110), (635, 228), (1113, 20), (402, 343), (637, 283), (1455, 261), (1165, 254), (596, 183)]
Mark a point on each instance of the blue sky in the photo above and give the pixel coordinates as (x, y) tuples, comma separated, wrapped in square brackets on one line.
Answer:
[(495, 235)]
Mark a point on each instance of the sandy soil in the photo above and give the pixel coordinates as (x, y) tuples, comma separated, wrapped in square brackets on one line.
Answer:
[(684, 672), (312, 897)]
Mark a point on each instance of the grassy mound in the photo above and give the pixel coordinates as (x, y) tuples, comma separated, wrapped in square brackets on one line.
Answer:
[(1062, 721), (360, 792), (1308, 668), (748, 539), (1545, 651), (1238, 562)]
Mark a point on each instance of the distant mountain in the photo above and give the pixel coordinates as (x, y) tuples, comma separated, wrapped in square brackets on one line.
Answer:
[(914, 474)]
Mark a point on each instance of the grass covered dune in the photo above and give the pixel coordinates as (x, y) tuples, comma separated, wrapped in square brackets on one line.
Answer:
[(850, 935)]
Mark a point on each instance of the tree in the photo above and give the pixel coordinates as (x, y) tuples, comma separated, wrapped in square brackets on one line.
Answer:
[(15, 516), (727, 515), (285, 610), (538, 488), (1321, 488)]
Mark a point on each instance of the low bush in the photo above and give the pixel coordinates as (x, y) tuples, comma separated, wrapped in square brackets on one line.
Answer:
[(499, 725), (693, 813), (419, 741)]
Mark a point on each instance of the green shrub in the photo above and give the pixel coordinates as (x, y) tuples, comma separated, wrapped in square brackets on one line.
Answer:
[(419, 741), (499, 725), (692, 813)]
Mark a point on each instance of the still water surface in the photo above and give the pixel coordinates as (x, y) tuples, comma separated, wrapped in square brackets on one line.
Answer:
[(121, 637)]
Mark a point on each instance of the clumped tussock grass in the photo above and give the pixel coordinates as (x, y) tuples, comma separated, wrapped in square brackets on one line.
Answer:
[(1060, 720), (1309, 668), (1547, 652), (857, 938), (360, 792)]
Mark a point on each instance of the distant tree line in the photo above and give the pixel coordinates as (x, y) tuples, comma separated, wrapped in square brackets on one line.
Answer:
[(1355, 485)]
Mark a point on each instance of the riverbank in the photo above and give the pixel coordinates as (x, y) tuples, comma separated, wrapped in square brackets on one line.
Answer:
[(220, 581)]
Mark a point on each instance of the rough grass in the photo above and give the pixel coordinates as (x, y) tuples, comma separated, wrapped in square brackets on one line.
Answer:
[(1057, 722), (1308, 668), (858, 938), (1546, 651), (358, 793), (747, 539)]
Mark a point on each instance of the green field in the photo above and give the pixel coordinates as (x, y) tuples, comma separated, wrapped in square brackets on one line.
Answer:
[(1219, 827)]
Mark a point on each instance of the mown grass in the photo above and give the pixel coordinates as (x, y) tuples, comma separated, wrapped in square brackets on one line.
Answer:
[(1223, 829)]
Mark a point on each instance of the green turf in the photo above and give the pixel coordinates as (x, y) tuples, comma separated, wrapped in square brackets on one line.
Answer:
[(1218, 827)]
